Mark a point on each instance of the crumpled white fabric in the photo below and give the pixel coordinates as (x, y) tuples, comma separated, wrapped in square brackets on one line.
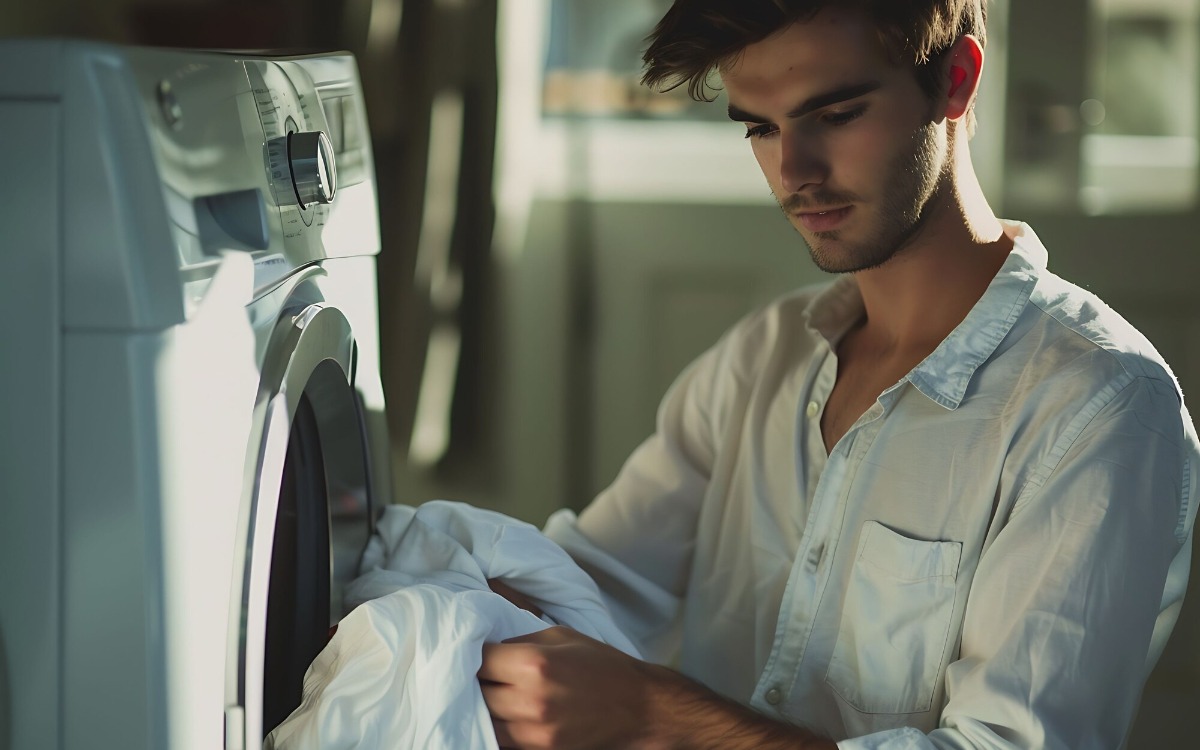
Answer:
[(401, 670)]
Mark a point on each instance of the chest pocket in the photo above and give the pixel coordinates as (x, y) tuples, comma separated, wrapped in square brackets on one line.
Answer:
[(895, 622)]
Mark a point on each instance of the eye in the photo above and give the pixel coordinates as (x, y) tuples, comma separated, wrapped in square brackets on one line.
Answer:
[(761, 131), (837, 119)]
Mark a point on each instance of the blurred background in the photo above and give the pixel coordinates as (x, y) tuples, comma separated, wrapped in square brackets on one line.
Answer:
[(558, 242)]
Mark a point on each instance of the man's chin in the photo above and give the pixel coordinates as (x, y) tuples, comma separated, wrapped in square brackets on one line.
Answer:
[(833, 255), (829, 258), (829, 250), (829, 265)]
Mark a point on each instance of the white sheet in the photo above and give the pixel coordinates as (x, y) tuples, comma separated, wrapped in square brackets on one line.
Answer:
[(400, 672)]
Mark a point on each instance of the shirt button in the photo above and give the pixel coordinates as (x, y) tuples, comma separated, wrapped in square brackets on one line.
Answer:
[(774, 696), (814, 558), (813, 408)]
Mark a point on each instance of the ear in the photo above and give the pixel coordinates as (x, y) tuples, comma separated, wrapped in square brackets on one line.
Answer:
[(964, 64)]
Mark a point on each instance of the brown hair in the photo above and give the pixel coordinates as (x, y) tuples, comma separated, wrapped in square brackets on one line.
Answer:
[(697, 37)]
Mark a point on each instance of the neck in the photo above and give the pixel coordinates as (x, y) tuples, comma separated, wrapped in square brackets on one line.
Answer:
[(917, 298)]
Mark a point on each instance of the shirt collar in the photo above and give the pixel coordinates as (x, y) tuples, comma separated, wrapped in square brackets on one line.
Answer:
[(944, 375), (836, 310)]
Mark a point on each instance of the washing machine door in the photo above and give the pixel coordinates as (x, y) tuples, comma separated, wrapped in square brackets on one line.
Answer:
[(309, 516)]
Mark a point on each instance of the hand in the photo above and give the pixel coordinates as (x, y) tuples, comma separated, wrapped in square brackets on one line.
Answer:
[(513, 596), (560, 690)]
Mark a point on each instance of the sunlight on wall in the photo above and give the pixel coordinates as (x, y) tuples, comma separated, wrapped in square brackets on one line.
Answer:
[(521, 30), (1139, 149)]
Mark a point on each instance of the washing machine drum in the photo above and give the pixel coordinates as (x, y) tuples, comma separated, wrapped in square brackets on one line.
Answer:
[(311, 509), (298, 601)]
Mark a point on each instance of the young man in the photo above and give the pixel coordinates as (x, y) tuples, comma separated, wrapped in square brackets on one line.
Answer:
[(944, 501)]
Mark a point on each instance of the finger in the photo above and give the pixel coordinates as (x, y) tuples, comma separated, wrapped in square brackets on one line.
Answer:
[(504, 737), (527, 735), (508, 703), (508, 662)]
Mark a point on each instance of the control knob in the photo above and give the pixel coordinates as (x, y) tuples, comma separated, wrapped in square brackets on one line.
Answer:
[(302, 168)]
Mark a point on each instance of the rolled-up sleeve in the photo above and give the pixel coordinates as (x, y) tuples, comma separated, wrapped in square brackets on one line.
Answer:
[(1072, 602), (636, 539)]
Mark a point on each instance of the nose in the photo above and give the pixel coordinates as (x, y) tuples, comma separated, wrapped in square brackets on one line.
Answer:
[(802, 163)]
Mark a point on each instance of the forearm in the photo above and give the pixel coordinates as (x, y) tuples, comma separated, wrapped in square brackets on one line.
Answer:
[(559, 690), (685, 715)]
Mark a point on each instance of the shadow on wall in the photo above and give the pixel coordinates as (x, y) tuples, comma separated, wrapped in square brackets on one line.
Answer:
[(5, 721)]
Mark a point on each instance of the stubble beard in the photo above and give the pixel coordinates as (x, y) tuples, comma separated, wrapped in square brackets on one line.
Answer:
[(910, 182)]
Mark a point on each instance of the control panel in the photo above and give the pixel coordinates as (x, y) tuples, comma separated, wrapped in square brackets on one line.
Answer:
[(270, 157), (297, 153)]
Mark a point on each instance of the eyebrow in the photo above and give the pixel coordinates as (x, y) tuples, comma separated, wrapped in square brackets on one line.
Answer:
[(845, 93)]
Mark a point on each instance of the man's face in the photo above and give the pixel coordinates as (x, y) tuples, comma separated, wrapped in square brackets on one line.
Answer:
[(848, 141)]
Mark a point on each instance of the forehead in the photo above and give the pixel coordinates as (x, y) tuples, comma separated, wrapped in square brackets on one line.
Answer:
[(836, 46)]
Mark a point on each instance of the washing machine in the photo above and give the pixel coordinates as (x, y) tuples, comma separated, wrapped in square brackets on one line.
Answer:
[(192, 443)]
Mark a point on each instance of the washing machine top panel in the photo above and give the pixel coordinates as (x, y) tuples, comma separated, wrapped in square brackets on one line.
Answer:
[(173, 159)]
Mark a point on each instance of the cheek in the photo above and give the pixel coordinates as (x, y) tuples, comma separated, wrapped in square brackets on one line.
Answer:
[(869, 154), (868, 146)]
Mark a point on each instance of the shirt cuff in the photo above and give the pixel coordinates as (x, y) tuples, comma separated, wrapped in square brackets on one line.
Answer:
[(905, 738)]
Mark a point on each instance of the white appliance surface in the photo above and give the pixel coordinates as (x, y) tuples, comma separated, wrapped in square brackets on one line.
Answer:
[(191, 406)]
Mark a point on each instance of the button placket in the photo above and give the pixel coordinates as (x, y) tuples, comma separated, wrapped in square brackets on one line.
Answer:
[(801, 593), (830, 514), (804, 589)]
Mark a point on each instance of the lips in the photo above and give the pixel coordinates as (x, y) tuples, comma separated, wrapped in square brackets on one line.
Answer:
[(824, 221)]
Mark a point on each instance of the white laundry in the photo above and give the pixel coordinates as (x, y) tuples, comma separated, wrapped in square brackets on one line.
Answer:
[(401, 670)]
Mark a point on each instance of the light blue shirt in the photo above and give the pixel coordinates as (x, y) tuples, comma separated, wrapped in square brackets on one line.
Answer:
[(992, 556)]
